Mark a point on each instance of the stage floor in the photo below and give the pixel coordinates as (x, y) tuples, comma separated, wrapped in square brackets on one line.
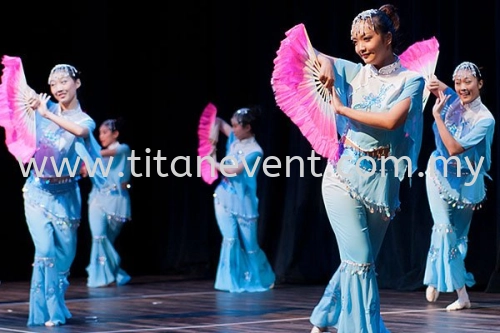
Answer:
[(174, 304)]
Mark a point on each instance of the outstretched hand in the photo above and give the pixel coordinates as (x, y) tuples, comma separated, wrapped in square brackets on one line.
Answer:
[(439, 104), (42, 107)]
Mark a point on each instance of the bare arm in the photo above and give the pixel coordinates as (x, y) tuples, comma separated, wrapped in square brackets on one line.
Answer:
[(435, 86), (73, 128), (452, 145), (326, 73), (108, 152), (224, 127), (387, 120)]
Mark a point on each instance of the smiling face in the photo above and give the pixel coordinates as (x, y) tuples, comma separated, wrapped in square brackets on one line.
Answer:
[(372, 33), (467, 85), (107, 136), (371, 46), (63, 87)]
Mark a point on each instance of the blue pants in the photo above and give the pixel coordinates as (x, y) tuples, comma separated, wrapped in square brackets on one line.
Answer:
[(351, 300), (243, 266), (445, 267), (55, 249), (104, 266)]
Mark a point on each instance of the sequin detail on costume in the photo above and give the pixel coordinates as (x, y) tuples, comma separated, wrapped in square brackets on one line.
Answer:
[(354, 268), (362, 21), (466, 66), (62, 70), (452, 199), (453, 251)]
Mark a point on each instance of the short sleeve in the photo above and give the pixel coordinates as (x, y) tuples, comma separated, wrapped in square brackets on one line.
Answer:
[(251, 159), (478, 133), (345, 72), (88, 123), (123, 149), (414, 124)]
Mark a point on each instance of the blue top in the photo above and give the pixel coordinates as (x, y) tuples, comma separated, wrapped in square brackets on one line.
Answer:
[(238, 193), (363, 87), (461, 178), (60, 152), (113, 196)]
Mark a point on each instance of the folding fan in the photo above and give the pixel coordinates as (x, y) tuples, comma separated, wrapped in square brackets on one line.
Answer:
[(301, 95), (208, 134), (422, 57), (16, 116)]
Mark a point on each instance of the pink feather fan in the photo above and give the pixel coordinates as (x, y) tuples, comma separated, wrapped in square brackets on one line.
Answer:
[(208, 134), (300, 94), (422, 58), (16, 116)]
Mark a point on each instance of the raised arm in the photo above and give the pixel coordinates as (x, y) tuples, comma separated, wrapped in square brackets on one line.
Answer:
[(224, 126), (326, 73), (390, 120), (122, 149), (435, 86), (452, 146), (73, 128)]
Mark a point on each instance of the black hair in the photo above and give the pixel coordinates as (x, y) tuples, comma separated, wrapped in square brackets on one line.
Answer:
[(114, 124), (248, 116)]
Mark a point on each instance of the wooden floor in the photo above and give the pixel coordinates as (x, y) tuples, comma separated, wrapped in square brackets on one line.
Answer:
[(170, 304)]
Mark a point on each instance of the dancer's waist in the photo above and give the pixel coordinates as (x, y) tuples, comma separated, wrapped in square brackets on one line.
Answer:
[(379, 152)]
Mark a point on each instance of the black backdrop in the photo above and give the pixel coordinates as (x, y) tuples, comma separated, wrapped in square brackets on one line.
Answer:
[(159, 65)]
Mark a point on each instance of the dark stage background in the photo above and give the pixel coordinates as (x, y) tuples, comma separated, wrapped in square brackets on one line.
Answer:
[(159, 65)]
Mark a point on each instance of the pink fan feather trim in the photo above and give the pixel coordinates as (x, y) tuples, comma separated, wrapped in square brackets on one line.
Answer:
[(205, 143), (19, 136), (422, 58), (300, 94)]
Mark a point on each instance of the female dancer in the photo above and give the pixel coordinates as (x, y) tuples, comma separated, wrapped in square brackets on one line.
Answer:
[(243, 266), (463, 131), (109, 209), (51, 193), (380, 104)]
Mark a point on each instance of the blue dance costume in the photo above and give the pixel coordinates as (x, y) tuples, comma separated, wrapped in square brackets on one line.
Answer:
[(360, 201), (243, 266), (52, 204), (109, 208), (454, 192)]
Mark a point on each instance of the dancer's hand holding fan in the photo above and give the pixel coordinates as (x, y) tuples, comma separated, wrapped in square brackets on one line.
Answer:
[(301, 95), (16, 113), (208, 135)]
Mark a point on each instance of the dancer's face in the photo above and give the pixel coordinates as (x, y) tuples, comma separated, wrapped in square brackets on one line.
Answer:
[(467, 86), (375, 49), (106, 136), (241, 131), (63, 87)]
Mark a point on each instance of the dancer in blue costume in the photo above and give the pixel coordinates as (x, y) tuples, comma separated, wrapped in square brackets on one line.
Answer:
[(52, 200), (379, 117), (109, 208), (456, 172), (243, 266)]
